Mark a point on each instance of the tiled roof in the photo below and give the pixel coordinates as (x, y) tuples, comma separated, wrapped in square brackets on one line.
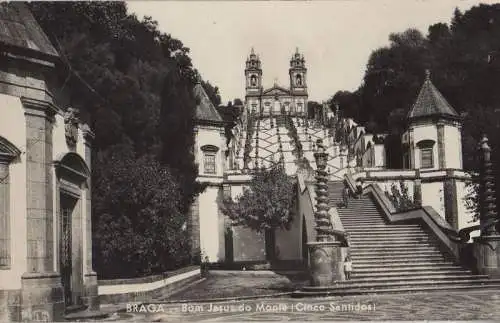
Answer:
[(205, 110), (19, 29), (430, 102)]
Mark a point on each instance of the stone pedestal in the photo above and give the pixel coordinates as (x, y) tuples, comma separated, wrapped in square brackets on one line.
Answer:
[(42, 297), (90, 296), (487, 254), (325, 262)]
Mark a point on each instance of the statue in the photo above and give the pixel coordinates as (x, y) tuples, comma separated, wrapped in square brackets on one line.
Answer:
[(71, 126)]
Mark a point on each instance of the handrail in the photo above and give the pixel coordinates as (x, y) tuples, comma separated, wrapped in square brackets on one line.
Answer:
[(350, 181)]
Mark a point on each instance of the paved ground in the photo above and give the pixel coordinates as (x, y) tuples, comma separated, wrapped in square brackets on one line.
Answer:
[(228, 284), (477, 305), (467, 305)]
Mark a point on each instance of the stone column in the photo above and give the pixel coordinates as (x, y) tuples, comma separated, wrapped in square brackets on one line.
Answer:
[(450, 199), (325, 253), (441, 148), (417, 191), (90, 296), (487, 245), (41, 286), (411, 147)]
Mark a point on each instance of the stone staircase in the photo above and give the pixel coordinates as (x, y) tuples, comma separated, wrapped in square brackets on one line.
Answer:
[(393, 258)]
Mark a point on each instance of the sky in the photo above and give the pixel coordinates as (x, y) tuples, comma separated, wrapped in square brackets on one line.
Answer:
[(335, 37)]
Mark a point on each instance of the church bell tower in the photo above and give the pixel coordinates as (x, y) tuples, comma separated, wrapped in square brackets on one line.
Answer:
[(298, 73), (253, 77), (253, 73)]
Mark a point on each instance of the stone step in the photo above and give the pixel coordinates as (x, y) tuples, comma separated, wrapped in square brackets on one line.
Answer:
[(387, 233), (427, 282), (365, 221), (436, 276), (397, 257), (410, 247), (310, 292), (390, 239), (398, 261), (388, 253), (391, 227), (360, 216), (401, 265), (404, 274), (375, 226), (403, 270)]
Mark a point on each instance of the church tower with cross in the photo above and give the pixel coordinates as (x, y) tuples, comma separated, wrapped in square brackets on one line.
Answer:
[(276, 99)]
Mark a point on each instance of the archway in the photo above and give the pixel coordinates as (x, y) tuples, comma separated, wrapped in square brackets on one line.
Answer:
[(72, 191)]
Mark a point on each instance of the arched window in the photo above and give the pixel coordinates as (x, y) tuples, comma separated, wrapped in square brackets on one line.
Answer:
[(253, 80), (298, 79)]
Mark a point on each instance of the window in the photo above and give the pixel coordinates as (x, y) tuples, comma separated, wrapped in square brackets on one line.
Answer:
[(299, 79), (426, 153), (426, 160), (209, 163), (253, 80)]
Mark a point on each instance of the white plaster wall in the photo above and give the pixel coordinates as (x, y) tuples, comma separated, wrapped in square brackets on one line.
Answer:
[(248, 245), (453, 147), (465, 216), (432, 195), (13, 128), (207, 136), (425, 132), (209, 224), (236, 191)]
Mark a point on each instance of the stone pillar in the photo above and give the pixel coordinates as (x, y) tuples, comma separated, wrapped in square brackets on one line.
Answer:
[(441, 148), (450, 199), (90, 295), (411, 152), (417, 191), (487, 245), (325, 253), (41, 286)]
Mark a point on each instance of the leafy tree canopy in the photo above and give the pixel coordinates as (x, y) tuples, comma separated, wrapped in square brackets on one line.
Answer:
[(266, 204)]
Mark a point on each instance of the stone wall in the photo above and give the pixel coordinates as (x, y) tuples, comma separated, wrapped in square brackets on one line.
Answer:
[(146, 288)]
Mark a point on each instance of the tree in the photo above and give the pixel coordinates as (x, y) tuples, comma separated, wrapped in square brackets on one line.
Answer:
[(133, 85), (266, 205), (138, 229)]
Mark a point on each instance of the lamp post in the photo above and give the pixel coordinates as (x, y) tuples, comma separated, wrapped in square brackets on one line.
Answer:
[(324, 253)]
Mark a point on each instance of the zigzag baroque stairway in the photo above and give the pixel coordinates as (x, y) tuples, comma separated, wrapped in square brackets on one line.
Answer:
[(393, 258)]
